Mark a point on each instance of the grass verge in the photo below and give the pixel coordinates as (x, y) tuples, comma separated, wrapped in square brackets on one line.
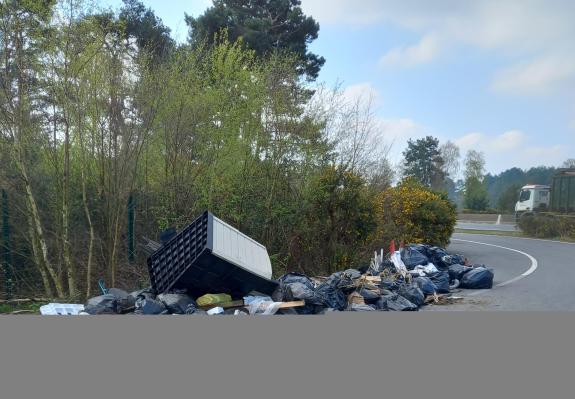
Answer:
[(7, 308)]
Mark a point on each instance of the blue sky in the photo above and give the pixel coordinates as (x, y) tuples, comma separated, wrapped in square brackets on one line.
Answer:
[(490, 75)]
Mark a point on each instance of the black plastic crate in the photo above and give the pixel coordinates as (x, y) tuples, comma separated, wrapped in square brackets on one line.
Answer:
[(187, 261)]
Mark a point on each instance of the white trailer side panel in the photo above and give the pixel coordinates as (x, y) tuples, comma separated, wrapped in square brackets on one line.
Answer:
[(235, 247)]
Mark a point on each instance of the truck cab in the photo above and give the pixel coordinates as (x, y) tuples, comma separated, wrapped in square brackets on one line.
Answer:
[(532, 198)]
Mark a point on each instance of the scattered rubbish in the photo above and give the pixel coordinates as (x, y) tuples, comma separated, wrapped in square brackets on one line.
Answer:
[(443, 299), (355, 298), (103, 304), (177, 303), (454, 284), (441, 281), (370, 295), (124, 301), (149, 307), (61, 309), (213, 299), (450, 260), (411, 257), (331, 296), (195, 272), (398, 303), (457, 271), (102, 286), (477, 278), (398, 263), (425, 285), (216, 310), (225, 305), (435, 255), (413, 294), (192, 309), (424, 270), (358, 307)]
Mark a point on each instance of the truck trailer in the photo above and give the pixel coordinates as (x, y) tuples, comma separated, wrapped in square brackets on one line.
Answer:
[(557, 198)]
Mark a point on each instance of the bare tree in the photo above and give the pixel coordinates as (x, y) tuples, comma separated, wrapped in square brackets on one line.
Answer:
[(451, 155), (474, 165), (353, 128)]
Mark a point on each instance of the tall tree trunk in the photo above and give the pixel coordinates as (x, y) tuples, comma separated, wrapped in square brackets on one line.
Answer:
[(21, 117), (86, 206), (39, 230), (70, 272), (37, 257), (92, 237)]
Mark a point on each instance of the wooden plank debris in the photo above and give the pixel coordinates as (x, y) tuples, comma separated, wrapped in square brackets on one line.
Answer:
[(240, 303)]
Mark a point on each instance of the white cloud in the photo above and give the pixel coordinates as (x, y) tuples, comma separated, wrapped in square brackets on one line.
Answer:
[(540, 76), (535, 35), (348, 12), (508, 141), (425, 51), (363, 92), (503, 143), (400, 130), (470, 141), (512, 148)]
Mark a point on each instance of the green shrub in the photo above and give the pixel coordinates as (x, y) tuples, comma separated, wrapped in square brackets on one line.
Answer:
[(337, 223), (413, 213), (548, 226)]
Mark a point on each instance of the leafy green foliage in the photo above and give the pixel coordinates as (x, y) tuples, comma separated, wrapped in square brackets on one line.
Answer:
[(412, 213), (476, 197), (548, 226), (337, 222), (148, 30), (264, 26), (423, 162), (507, 200)]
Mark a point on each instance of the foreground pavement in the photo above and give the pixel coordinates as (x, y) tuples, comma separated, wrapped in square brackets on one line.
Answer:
[(530, 274)]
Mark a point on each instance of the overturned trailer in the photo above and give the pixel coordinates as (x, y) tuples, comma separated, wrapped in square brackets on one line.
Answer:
[(209, 255)]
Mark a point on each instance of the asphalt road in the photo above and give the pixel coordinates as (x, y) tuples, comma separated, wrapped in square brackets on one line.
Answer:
[(542, 277), (485, 226)]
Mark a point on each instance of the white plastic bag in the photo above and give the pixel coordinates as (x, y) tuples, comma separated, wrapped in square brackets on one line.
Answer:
[(216, 310), (398, 263), (261, 305), (426, 270)]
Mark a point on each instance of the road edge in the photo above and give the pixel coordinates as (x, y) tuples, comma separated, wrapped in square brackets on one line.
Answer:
[(532, 268)]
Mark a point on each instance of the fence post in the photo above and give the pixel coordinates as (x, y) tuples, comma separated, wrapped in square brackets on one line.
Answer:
[(6, 247)]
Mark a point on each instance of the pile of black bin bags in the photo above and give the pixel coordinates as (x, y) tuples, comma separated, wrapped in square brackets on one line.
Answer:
[(431, 271)]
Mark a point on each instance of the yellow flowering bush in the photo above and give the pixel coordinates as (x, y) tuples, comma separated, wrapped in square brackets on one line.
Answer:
[(412, 213)]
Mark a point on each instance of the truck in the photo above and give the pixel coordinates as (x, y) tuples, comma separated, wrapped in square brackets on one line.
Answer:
[(557, 198)]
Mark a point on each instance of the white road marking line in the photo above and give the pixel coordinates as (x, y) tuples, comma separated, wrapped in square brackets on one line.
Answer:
[(516, 238), (526, 273)]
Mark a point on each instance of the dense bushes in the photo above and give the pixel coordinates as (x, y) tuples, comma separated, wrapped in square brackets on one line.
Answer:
[(337, 225), (199, 127), (412, 213), (548, 226)]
